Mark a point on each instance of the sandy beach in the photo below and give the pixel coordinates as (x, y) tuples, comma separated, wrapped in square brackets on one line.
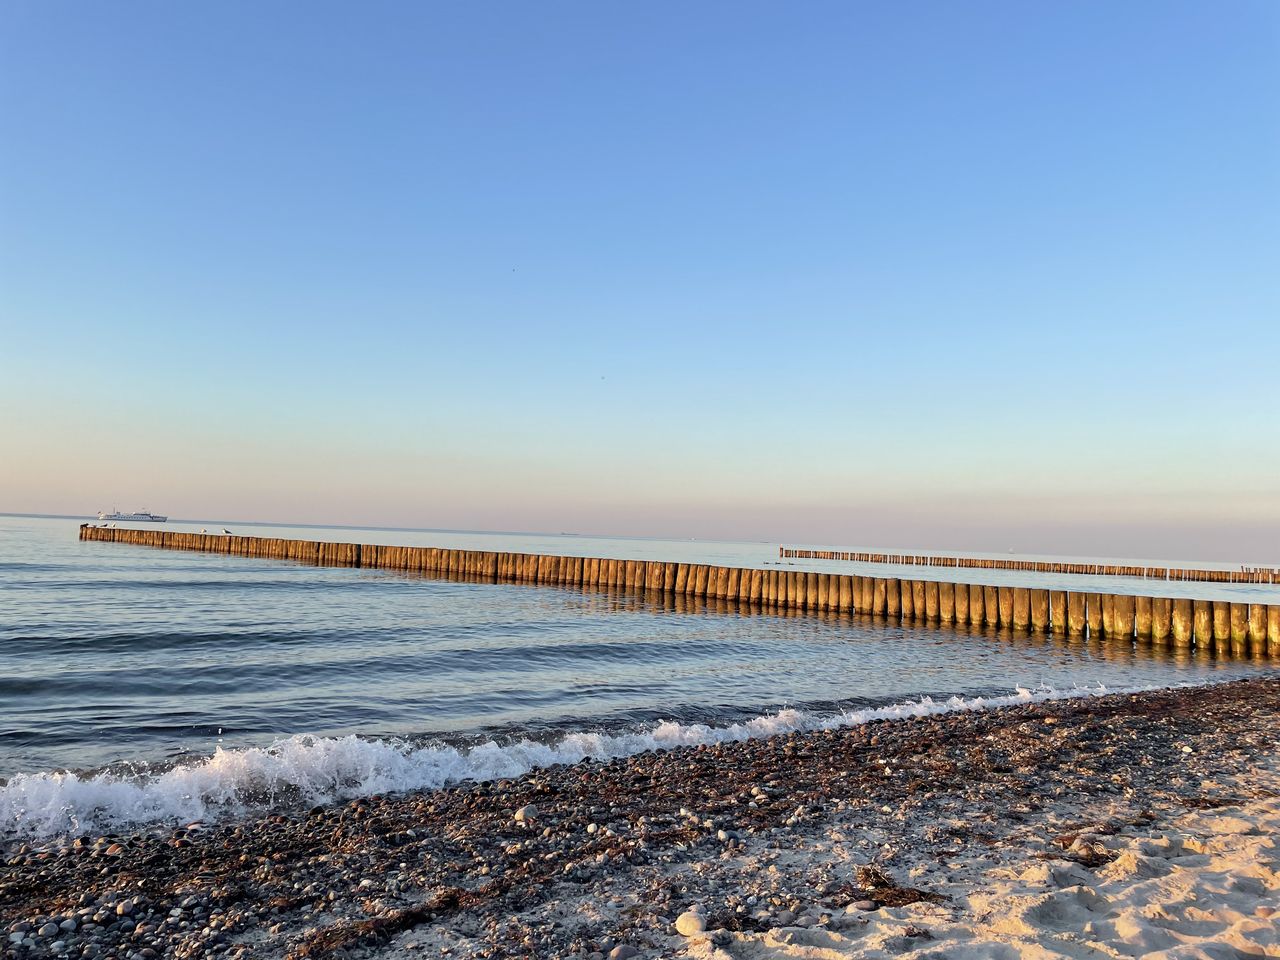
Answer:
[(1137, 825)]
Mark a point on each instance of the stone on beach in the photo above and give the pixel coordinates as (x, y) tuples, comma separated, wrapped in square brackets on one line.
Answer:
[(691, 924), (527, 813)]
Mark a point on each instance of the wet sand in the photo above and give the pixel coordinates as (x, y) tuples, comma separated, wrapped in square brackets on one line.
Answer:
[(1125, 825)]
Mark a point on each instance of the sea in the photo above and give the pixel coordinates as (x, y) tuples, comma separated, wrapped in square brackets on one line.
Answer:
[(142, 686)]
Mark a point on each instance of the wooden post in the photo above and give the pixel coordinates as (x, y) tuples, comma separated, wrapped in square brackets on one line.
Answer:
[(700, 576), (824, 591), (947, 602), (1021, 608), (1273, 629), (648, 575), (907, 602), (1124, 616), (1093, 612), (1182, 623), (1142, 617), (866, 594), (977, 604), (845, 602), (795, 590), (893, 598), (1076, 620), (1239, 629), (962, 604), (918, 602), (931, 600), (1108, 615), (734, 590), (1202, 623), (1004, 598), (1221, 626), (1161, 620), (810, 591), (1040, 610), (682, 577), (879, 600), (1258, 628)]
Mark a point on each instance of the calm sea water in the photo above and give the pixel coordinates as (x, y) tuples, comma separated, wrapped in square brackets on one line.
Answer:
[(125, 664)]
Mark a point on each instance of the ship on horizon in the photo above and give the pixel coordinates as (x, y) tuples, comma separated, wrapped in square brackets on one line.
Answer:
[(141, 515)]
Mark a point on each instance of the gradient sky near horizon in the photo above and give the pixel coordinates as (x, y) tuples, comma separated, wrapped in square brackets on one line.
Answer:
[(932, 275)]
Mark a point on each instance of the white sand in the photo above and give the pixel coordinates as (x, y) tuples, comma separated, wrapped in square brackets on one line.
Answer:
[(1206, 885)]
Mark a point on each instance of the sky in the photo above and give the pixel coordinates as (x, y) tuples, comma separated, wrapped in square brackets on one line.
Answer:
[(928, 275)]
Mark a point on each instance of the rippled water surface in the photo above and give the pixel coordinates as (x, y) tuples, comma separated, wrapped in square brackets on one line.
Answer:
[(117, 653)]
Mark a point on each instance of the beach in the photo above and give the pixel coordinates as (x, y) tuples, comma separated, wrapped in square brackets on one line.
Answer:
[(1118, 825)]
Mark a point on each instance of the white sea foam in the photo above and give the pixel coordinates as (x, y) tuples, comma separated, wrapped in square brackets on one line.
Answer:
[(318, 769)]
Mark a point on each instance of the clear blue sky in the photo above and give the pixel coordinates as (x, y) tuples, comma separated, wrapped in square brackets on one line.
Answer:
[(929, 274)]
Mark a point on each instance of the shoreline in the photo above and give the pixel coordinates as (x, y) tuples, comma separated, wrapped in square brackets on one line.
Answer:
[(773, 840)]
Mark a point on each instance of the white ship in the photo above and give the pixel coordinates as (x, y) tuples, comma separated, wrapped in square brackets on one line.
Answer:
[(141, 515)]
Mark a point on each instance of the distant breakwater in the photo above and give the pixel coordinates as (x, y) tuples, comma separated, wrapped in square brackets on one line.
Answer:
[(1242, 575), (1221, 627)]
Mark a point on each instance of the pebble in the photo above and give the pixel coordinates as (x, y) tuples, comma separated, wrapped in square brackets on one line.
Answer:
[(862, 906), (623, 951), (527, 813), (690, 924)]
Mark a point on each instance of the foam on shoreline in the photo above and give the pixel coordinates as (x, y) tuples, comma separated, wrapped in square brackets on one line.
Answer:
[(307, 769)]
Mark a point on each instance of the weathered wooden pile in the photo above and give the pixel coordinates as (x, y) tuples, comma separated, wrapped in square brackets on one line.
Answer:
[(1225, 628)]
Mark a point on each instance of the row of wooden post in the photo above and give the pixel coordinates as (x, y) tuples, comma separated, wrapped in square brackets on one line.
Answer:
[(1223, 627), (1242, 575)]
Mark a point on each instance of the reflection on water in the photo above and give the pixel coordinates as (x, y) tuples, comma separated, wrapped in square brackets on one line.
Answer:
[(1106, 649)]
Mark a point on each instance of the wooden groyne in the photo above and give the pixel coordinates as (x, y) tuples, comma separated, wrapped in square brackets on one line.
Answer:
[(1217, 626), (1241, 575)]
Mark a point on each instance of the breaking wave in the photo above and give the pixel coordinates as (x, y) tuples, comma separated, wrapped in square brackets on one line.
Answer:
[(309, 769)]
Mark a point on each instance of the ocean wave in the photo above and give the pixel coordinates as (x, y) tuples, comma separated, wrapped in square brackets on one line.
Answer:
[(309, 769)]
